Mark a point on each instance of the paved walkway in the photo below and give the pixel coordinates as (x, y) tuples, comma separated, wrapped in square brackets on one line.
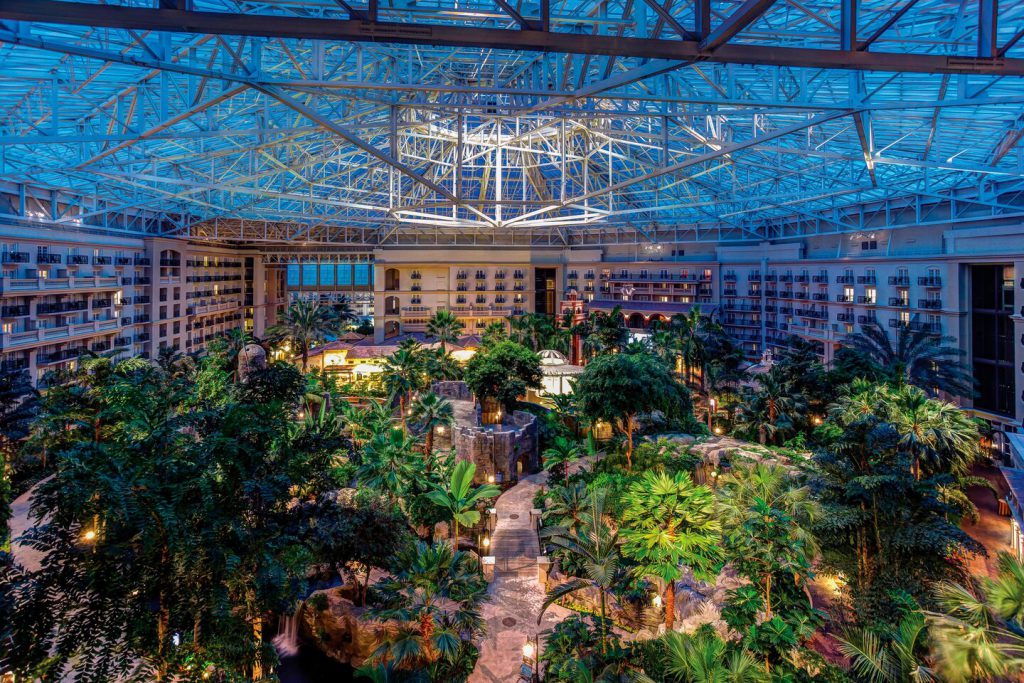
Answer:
[(515, 598), (992, 530), (27, 557)]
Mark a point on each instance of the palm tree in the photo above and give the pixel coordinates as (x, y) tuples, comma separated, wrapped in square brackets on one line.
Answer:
[(435, 593), (428, 413), (365, 423), (668, 522), (771, 409), (389, 464), (343, 312), (939, 435), (460, 499), (565, 505), (703, 657), (932, 362), (445, 327), (561, 452), (778, 487), (895, 656), (403, 373), (305, 324), (596, 548), (19, 404), (979, 636)]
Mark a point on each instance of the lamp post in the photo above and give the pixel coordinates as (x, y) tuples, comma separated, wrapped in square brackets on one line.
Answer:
[(531, 656), (711, 413)]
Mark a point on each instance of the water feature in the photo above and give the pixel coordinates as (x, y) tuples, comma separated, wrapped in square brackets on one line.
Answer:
[(286, 642)]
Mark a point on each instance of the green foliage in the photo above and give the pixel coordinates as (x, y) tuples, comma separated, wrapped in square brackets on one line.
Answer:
[(915, 357), (669, 522), (445, 327), (390, 464), (620, 387), (435, 592), (180, 502), (458, 497), (305, 324), (574, 648), (886, 520), (503, 372)]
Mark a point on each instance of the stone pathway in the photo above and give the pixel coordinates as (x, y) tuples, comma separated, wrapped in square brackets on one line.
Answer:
[(515, 597)]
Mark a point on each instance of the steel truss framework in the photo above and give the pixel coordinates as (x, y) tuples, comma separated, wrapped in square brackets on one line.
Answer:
[(581, 122)]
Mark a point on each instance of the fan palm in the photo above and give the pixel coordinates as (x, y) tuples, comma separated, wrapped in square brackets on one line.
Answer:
[(459, 498), (917, 357), (703, 657), (896, 656), (565, 505), (668, 521), (445, 327), (305, 324), (561, 452), (428, 413), (595, 546), (771, 409), (389, 464), (978, 637), (938, 435), (403, 373), (776, 486), (366, 422), (435, 594)]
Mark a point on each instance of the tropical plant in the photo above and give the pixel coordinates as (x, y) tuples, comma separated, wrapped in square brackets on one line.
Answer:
[(445, 327), (895, 654), (19, 405), (771, 411), (435, 593), (928, 361), (780, 487), (560, 454), (883, 526), (669, 522), (977, 635), (404, 374), (305, 324), (503, 372), (460, 499), (703, 657), (343, 311), (620, 387), (596, 549), (430, 412), (389, 463)]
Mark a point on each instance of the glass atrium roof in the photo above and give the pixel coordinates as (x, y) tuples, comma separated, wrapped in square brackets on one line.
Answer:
[(418, 121)]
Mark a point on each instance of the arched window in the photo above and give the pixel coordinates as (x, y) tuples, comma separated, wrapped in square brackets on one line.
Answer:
[(391, 305), (392, 281)]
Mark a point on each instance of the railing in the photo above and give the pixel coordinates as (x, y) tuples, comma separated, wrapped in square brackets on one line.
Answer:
[(12, 285), (933, 304), (930, 281), (867, 280), (899, 280), (52, 334), (898, 302), (14, 257)]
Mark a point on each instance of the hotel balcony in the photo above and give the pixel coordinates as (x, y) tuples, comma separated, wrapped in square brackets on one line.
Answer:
[(13, 286), (50, 335)]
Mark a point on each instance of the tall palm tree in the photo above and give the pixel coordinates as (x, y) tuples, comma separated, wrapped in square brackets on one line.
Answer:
[(460, 499), (565, 506), (939, 436), (389, 464), (404, 373), (596, 548), (894, 656), (429, 412), (703, 657), (668, 522), (770, 410), (343, 312), (445, 327), (931, 362), (305, 324)]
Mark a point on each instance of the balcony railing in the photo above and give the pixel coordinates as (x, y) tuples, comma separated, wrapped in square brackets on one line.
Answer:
[(49, 335), (933, 281), (898, 302), (899, 280), (930, 304), (14, 257)]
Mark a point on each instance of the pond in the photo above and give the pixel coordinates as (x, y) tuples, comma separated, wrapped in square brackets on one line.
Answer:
[(310, 665)]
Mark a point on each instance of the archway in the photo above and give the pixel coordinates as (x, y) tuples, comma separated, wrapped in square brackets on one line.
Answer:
[(392, 280), (636, 321)]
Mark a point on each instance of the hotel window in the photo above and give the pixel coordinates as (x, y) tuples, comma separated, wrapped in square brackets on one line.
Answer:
[(848, 293), (904, 317), (707, 273), (904, 296), (870, 295)]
